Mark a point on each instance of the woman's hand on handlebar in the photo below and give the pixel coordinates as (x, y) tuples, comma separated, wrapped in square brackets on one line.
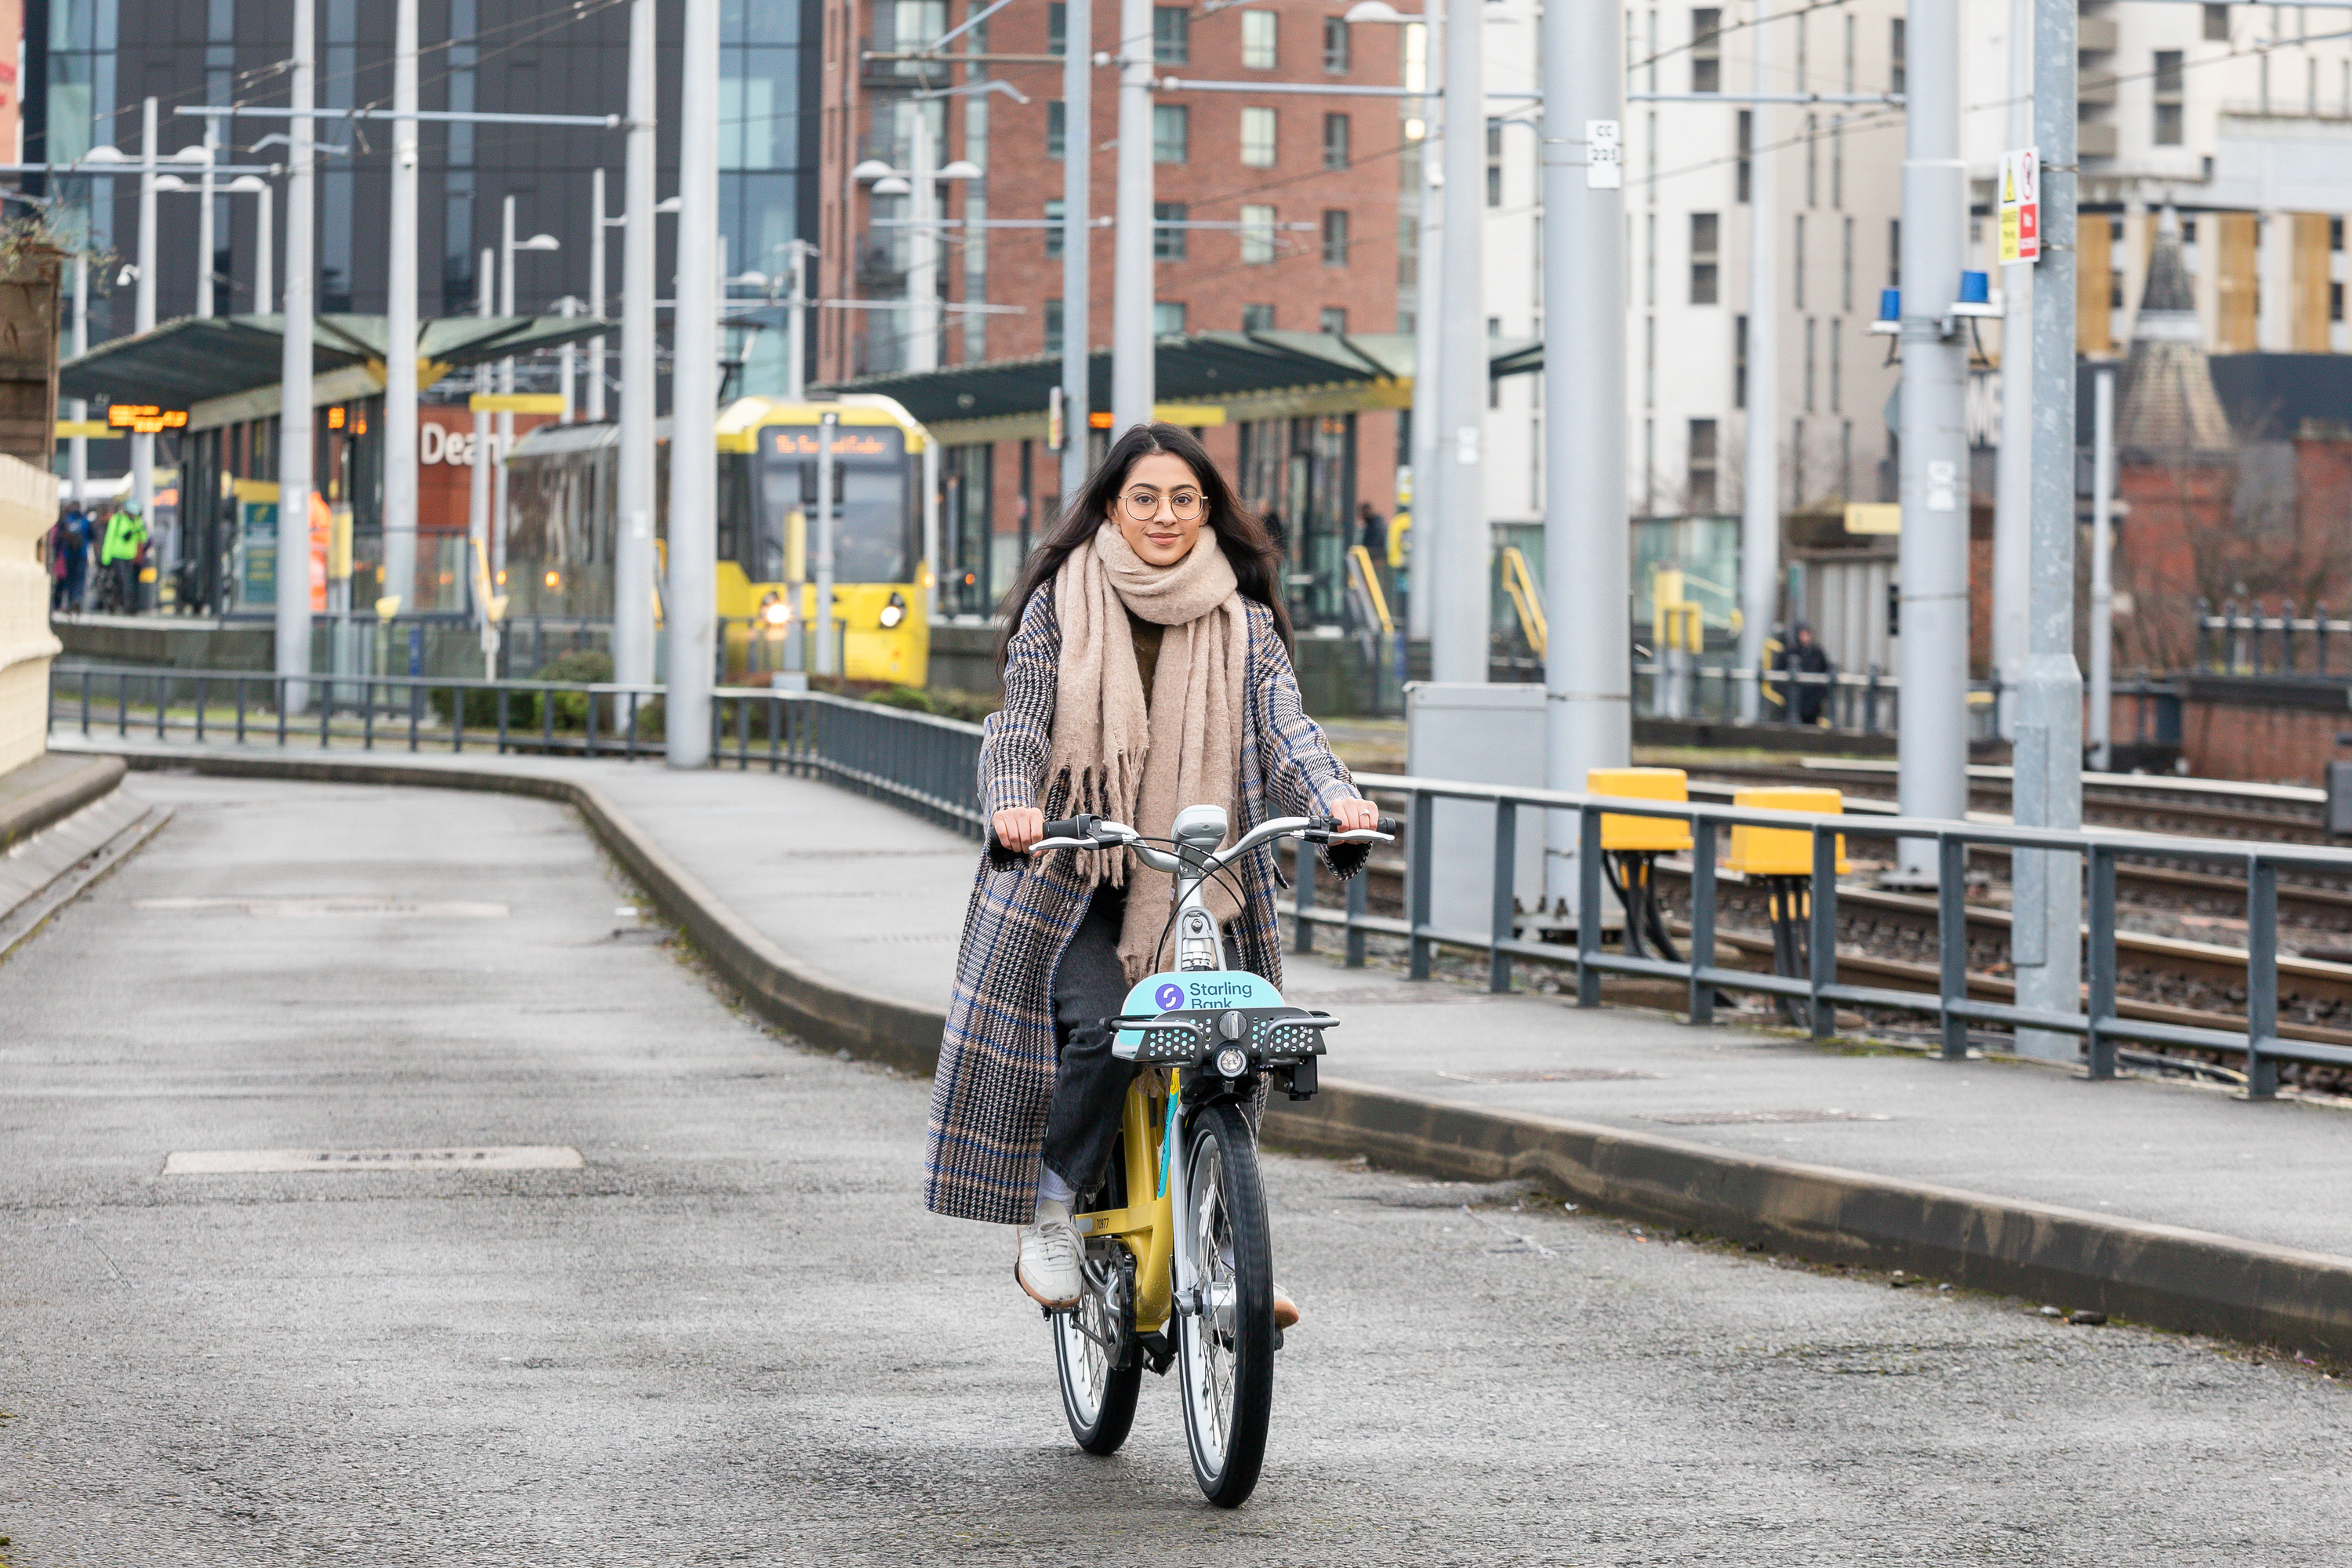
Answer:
[(1352, 816), (1019, 827)]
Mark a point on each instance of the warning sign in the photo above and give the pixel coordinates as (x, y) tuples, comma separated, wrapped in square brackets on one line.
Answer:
[(2021, 205)]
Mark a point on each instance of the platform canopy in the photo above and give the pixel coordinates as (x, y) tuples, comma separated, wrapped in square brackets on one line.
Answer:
[(225, 368), (1203, 378)]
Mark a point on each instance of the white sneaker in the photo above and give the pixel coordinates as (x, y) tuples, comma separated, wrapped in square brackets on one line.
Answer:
[(1048, 1265)]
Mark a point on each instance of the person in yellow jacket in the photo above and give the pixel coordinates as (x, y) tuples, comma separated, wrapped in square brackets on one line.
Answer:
[(118, 555)]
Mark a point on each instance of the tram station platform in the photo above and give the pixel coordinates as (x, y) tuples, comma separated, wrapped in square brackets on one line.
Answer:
[(837, 916)]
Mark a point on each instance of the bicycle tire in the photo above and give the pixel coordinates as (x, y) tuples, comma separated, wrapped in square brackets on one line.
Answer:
[(1225, 1348), (1098, 1395)]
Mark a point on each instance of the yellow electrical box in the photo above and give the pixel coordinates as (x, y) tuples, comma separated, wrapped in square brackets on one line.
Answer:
[(1640, 833), (1782, 851)]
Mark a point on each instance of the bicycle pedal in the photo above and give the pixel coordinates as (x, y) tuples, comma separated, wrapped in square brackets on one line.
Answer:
[(1278, 1339)]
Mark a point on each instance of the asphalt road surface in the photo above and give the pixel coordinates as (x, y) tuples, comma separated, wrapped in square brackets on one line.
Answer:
[(732, 1335)]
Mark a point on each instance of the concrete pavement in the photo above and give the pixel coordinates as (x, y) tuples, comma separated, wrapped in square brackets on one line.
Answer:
[(731, 1335)]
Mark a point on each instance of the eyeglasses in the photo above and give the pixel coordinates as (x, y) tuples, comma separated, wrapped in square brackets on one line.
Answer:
[(1143, 506)]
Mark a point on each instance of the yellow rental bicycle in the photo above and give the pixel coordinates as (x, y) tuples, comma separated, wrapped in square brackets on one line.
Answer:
[(1179, 1266)]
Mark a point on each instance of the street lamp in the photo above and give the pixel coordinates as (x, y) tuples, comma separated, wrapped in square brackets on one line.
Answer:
[(508, 245), (920, 182)]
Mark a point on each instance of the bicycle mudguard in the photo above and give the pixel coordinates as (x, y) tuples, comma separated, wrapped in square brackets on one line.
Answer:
[(1201, 990)]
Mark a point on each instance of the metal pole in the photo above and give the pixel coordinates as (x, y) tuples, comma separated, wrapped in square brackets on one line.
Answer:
[(1458, 576), (143, 447), (1932, 766), (506, 384), (204, 223), (922, 248), (633, 553), (694, 399), (478, 507), (266, 229), (796, 332), (2013, 477), (821, 621), (2047, 792), (2103, 584), (597, 296), (1132, 386), (78, 449), (1078, 235), (1428, 347), (1588, 667), (399, 479), (294, 416), (1760, 510)]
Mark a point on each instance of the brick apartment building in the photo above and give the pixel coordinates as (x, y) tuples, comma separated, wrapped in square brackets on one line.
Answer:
[(1277, 214)]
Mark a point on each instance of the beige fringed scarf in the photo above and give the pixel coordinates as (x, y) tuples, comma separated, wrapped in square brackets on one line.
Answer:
[(1142, 767)]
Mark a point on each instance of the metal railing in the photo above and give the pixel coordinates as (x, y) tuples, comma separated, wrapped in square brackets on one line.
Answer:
[(2243, 640), (928, 764), (1868, 703)]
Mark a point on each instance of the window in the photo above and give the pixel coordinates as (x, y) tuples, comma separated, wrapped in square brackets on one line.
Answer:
[(1339, 136), (1896, 75), (1056, 122), (1494, 162), (1057, 29), (1171, 132), (1167, 318), (1739, 362), (1845, 267), (2335, 234), (2335, 301), (1168, 241), (1701, 497), (1335, 320), (1649, 260), (1707, 50), (1494, 382), (1703, 258), (1837, 164), (1257, 318), (1258, 40), (1257, 138), (2169, 89), (1796, 264), (1849, 54), (1257, 234), (1837, 341), (1812, 160), (1747, 146), (1334, 46), (1054, 211), (1172, 39), (1810, 334), (1894, 253), (1053, 326), (1335, 237), (2217, 24)]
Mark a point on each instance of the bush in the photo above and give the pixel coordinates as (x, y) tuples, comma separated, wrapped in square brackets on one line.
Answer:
[(572, 707)]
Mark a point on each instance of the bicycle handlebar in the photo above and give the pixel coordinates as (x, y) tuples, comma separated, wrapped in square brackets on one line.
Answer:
[(1086, 831)]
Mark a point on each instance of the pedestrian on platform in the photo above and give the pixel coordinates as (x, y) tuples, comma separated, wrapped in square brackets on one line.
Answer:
[(1147, 669), (1808, 699), (118, 558), (1372, 530)]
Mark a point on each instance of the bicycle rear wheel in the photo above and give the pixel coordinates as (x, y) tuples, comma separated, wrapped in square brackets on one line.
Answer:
[(1100, 1369), (1224, 1342)]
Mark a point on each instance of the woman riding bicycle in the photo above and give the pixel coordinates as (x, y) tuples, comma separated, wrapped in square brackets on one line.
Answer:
[(1147, 669)]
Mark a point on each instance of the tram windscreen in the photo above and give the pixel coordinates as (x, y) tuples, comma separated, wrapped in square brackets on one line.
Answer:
[(873, 525)]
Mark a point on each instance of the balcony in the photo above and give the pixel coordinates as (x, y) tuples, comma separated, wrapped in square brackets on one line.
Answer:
[(2095, 35), (2095, 139), (2095, 89)]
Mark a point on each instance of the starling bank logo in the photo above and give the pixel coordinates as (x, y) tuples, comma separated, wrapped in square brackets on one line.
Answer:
[(1169, 996)]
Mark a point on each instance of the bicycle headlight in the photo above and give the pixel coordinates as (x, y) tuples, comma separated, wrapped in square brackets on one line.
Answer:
[(894, 611), (1232, 1061)]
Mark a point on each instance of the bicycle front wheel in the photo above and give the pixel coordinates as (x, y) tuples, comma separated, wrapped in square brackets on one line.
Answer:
[(1224, 1338)]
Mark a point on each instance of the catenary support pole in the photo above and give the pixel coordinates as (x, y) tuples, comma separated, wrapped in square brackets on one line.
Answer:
[(477, 502), (400, 477), (500, 523), (2047, 790), (1132, 380), (599, 296), (143, 447), (205, 217), (2103, 568), (1457, 573), (78, 449), (796, 329), (1587, 669), (567, 361), (821, 557), (265, 246), (1932, 758), (295, 413), (922, 348), (1760, 485), (633, 553), (1428, 338), (2013, 514), (1078, 237), (693, 401)]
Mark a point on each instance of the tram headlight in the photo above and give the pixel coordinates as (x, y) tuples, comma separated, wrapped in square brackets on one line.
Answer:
[(775, 611), (894, 611), (1232, 1061)]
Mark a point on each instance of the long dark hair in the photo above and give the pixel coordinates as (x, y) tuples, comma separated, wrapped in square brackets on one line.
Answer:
[(1239, 532)]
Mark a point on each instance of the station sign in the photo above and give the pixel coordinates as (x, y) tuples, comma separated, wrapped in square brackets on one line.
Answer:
[(145, 418)]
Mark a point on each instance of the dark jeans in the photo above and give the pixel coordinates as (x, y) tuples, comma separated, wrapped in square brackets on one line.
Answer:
[(1090, 1086)]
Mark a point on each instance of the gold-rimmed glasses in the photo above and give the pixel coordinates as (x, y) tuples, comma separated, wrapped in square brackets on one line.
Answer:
[(1143, 504)]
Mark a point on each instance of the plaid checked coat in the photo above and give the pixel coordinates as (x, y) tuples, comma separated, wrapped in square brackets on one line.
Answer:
[(997, 1057)]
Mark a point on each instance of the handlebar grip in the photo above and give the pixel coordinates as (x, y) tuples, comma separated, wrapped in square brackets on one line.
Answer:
[(1079, 827), (1389, 825)]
